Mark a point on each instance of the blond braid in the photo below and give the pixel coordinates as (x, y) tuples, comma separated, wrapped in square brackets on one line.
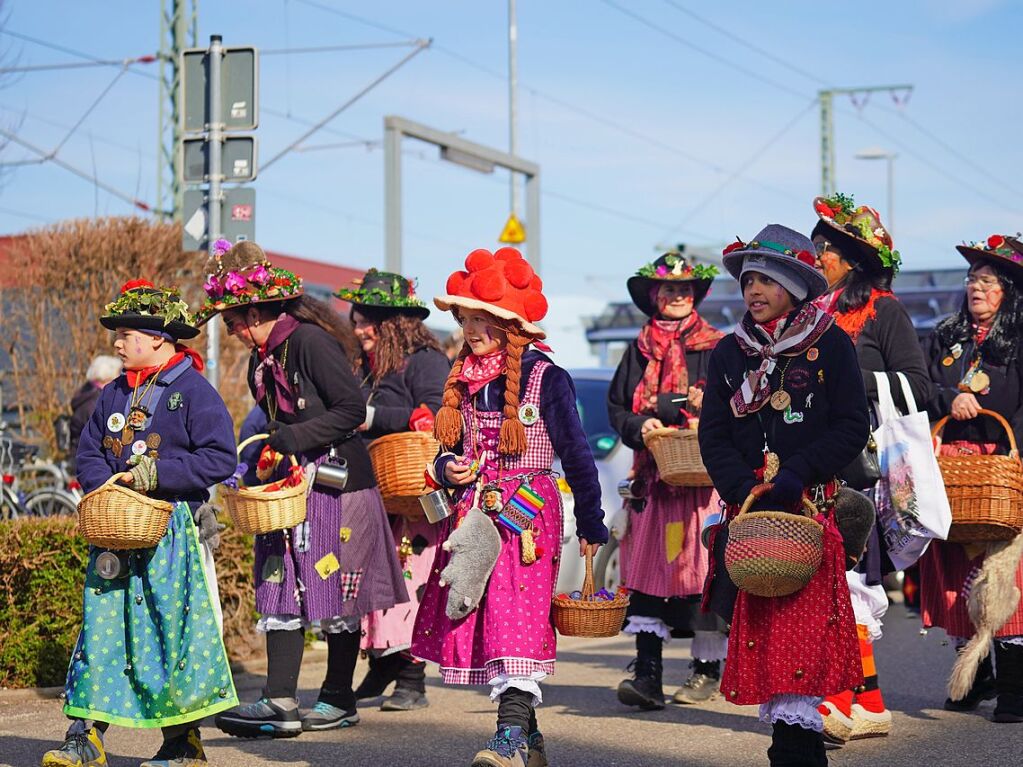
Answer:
[(512, 440), (447, 426)]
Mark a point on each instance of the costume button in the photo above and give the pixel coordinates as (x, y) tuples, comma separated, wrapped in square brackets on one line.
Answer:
[(138, 599), (127, 669), (97, 592), (181, 665), (862, 688), (522, 587), (78, 656), (799, 673), (223, 693), (187, 609), (733, 694), (750, 644), (427, 632)]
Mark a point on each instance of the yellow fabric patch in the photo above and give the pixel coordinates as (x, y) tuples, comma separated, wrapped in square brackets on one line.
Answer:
[(673, 532), (327, 566), (346, 534)]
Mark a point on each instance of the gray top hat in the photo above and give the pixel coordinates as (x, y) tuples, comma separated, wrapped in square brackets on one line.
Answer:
[(790, 249)]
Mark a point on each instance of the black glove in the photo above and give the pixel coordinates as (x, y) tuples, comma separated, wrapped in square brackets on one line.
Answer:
[(787, 490), (282, 438), (669, 408), (205, 518)]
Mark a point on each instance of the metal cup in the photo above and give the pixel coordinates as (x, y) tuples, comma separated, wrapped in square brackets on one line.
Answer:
[(111, 565), (436, 505), (632, 489), (712, 519), (332, 472)]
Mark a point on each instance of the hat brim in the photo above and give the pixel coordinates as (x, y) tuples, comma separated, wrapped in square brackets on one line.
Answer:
[(816, 283), (446, 303), (976, 255), (273, 300), (639, 290), (421, 312), (142, 322), (853, 248)]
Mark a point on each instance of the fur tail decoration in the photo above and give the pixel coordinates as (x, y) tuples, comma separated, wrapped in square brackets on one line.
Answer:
[(994, 597)]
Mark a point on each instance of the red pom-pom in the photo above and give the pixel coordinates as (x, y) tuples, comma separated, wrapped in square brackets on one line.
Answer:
[(535, 306), (806, 257), (995, 241), (455, 283), (479, 260), (508, 254), (133, 284), (518, 272), (536, 283), (489, 285)]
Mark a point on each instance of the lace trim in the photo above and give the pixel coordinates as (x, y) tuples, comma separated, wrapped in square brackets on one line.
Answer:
[(640, 623), (869, 603), (279, 623), (709, 646), (530, 684), (351, 624), (793, 709), (1016, 641)]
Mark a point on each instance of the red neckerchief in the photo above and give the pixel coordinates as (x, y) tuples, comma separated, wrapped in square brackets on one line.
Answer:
[(139, 375), (852, 322), (477, 372), (269, 365), (664, 343), (980, 332)]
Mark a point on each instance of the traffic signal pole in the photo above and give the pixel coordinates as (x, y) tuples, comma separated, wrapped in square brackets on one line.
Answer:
[(216, 176)]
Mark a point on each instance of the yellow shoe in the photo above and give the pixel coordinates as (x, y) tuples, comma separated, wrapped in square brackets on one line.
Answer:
[(183, 750), (83, 749), (837, 726), (869, 724)]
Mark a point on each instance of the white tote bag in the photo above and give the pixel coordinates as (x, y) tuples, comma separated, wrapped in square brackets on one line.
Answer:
[(912, 505)]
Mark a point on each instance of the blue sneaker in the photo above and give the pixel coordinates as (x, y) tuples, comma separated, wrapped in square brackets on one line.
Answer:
[(508, 748), (262, 719), (324, 716)]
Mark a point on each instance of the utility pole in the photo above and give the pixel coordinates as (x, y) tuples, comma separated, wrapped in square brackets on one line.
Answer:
[(513, 86), (175, 25), (216, 176), (825, 98)]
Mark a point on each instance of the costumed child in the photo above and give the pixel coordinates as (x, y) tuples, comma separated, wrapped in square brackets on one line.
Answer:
[(150, 652), (402, 372), (784, 393), (485, 617), (659, 383), (339, 564)]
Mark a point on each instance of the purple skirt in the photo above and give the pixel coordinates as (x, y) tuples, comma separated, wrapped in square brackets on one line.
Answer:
[(340, 562)]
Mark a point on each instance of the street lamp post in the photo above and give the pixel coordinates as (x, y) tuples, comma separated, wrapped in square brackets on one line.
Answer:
[(876, 153)]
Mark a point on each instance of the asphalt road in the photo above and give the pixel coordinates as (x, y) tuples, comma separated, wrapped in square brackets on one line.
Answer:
[(582, 721)]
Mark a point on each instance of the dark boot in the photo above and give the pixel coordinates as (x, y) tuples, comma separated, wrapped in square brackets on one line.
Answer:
[(794, 746), (983, 689), (644, 689), (382, 671), (1009, 683), (409, 689)]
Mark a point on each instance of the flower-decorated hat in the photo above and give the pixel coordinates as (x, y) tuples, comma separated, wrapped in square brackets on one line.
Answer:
[(857, 231), (142, 306), (998, 248), (387, 291), (671, 267), (502, 283), (778, 249), (241, 274)]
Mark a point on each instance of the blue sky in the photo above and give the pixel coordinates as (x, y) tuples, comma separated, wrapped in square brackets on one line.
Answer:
[(641, 138)]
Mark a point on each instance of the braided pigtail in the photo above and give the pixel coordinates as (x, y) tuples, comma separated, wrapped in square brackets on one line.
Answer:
[(512, 440), (447, 426)]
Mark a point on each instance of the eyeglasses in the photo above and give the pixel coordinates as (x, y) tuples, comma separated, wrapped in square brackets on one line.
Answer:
[(985, 283), (821, 246)]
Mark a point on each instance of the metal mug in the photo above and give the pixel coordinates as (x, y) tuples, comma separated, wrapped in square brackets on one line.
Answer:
[(111, 565), (332, 472), (632, 489), (712, 519), (436, 505)]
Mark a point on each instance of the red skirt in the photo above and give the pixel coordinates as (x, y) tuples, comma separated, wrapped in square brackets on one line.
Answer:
[(802, 644)]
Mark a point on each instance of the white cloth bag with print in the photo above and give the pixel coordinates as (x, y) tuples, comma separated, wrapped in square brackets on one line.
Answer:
[(912, 506)]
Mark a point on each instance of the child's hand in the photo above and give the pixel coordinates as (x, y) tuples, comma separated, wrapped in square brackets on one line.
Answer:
[(461, 473), (587, 547)]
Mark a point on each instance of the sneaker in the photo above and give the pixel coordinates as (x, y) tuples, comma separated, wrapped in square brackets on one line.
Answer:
[(508, 748), (537, 754), (81, 749), (405, 700), (644, 689), (703, 684), (185, 750), (262, 719), (837, 726), (382, 671), (324, 716), (869, 724)]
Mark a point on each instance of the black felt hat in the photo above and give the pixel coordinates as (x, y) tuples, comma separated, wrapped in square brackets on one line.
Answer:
[(386, 291), (141, 306), (671, 267)]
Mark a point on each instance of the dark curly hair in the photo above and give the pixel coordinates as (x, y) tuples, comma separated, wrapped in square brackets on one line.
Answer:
[(1000, 347), (398, 336)]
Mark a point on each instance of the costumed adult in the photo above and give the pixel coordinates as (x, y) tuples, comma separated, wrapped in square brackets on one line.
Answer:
[(485, 617), (783, 398), (975, 363), (402, 371), (659, 383), (855, 254), (150, 652), (103, 369), (339, 564)]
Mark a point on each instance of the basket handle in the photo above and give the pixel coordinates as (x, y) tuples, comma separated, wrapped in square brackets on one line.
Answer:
[(761, 490), (120, 476), (1013, 449), (255, 438), (586, 592)]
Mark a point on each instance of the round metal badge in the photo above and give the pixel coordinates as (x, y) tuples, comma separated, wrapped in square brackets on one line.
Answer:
[(529, 414)]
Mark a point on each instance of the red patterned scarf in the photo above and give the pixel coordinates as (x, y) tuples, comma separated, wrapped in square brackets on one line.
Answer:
[(477, 372), (664, 343)]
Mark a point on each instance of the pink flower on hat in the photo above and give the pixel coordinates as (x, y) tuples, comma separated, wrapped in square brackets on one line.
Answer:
[(213, 287), (260, 275), (221, 246), (233, 282)]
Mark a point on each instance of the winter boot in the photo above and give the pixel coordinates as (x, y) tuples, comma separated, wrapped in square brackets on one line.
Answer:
[(82, 747), (793, 746), (537, 751), (983, 689), (266, 718), (703, 684), (382, 671), (1009, 682), (644, 689), (410, 688), (184, 750), (508, 748)]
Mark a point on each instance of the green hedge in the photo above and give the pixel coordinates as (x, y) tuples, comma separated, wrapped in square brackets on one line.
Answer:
[(42, 569)]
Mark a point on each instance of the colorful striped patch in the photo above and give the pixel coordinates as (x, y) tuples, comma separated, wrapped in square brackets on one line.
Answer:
[(520, 511)]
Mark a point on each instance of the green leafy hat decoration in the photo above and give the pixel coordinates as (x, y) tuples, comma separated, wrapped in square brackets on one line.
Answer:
[(142, 306), (670, 267), (387, 291), (856, 231)]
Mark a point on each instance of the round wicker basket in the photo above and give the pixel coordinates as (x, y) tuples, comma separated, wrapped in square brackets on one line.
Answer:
[(589, 617), (256, 512), (677, 454), (114, 517), (398, 462)]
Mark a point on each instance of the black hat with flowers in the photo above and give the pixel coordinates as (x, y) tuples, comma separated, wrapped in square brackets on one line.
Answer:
[(856, 231), (158, 311), (386, 291), (997, 249), (239, 275), (671, 267)]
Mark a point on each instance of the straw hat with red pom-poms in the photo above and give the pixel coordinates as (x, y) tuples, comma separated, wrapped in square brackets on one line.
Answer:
[(502, 283)]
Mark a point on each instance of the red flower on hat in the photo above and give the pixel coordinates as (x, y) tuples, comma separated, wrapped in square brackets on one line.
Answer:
[(806, 257), (825, 210), (133, 284), (995, 241), (734, 246)]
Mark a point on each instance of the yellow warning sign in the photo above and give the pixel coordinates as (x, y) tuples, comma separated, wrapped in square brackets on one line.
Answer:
[(513, 232)]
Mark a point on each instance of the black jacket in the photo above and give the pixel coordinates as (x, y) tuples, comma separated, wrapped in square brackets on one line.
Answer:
[(888, 343), (827, 392), (396, 395), (83, 402)]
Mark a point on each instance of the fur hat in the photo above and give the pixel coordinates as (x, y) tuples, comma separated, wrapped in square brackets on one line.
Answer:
[(240, 275), (782, 247), (671, 267), (385, 291), (857, 232), (158, 311)]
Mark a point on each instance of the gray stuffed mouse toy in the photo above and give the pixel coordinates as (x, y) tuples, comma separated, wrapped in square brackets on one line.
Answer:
[(474, 545)]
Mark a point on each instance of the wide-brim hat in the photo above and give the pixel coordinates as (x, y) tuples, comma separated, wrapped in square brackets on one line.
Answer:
[(856, 231), (501, 283), (996, 249), (791, 250), (141, 306), (385, 291), (671, 267), (241, 275)]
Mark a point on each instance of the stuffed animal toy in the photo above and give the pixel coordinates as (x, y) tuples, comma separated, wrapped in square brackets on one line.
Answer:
[(854, 515), (474, 545)]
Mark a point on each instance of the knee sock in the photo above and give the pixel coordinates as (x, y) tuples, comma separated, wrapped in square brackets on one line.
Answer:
[(533, 726), (515, 708), (284, 651), (869, 696), (648, 646), (342, 655)]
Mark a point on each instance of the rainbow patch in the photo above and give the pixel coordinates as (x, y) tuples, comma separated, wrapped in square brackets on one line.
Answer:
[(520, 511)]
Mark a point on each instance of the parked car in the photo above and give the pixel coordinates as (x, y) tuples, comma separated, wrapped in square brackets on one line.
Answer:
[(614, 460)]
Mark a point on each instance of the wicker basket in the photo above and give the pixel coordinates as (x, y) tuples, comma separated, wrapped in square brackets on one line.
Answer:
[(589, 617), (677, 454), (256, 512), (984, 491), (398, 462), (114, 517), (773, 553)]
